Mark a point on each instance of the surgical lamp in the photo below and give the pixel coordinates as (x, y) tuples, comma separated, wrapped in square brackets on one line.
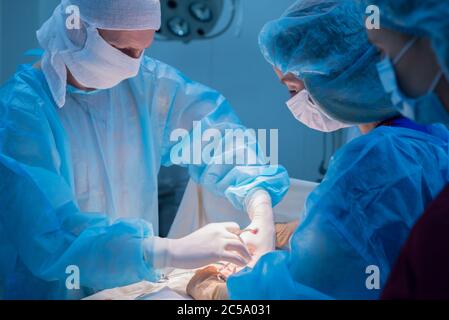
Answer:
[(187, 20)]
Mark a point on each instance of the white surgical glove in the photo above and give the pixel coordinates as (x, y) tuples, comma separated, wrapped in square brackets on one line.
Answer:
[(260, 236), (211, 244)]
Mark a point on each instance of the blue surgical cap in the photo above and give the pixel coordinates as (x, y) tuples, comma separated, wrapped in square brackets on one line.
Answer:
[(421, 18), (324, 43)]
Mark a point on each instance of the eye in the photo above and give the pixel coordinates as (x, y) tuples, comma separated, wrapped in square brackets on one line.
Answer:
[(127, 51), (133, 53)]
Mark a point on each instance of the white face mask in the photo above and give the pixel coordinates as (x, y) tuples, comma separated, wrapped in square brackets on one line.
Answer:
[(99, 65), (311, 114)]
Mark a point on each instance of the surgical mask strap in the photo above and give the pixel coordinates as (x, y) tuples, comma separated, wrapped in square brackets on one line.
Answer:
[(435, 82), (404, 50)]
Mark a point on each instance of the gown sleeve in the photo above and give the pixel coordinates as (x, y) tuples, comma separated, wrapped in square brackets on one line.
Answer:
[(225, 165)]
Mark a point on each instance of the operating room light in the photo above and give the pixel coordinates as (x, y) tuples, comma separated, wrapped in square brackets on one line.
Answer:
[(201, 12), (187, 20), (179, 27)]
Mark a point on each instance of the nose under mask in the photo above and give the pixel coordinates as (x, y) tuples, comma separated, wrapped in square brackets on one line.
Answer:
[(312, 115)]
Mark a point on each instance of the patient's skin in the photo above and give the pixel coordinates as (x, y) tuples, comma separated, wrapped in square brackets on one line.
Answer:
[(284, 232), (295, 85), (206, 284), (417, 68)]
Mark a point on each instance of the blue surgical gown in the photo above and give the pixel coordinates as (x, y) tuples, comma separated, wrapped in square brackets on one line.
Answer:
[(355, 222), (78, 185)]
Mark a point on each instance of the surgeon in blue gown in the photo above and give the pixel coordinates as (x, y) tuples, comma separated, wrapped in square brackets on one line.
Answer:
[(353, 225), (414, 37), (83, 134)]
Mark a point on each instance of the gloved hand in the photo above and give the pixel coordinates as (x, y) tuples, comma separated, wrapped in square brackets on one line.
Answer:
[(213, 243), (260, 236)]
